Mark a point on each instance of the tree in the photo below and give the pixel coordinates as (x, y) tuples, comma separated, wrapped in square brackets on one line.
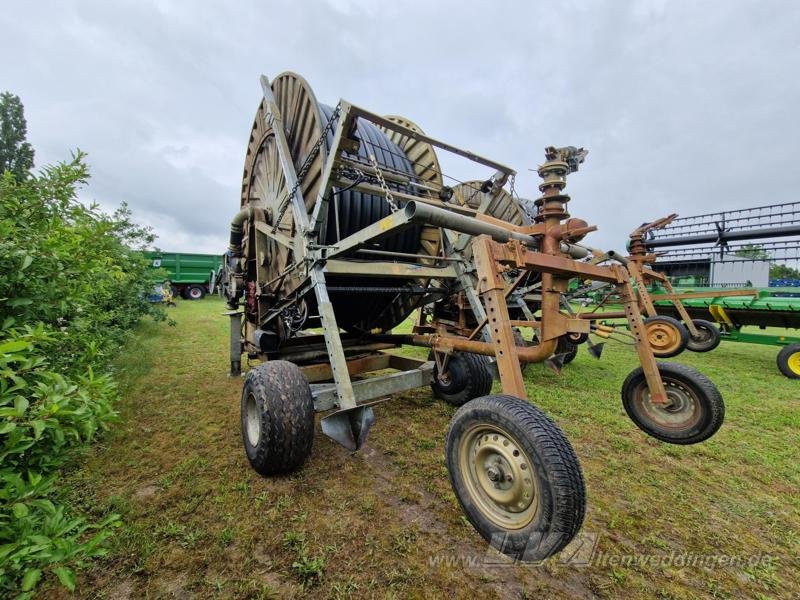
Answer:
[(779, 271), (776, 270), (754, 251), (16, 154)]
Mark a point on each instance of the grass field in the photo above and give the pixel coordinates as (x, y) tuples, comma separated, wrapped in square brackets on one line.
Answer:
[(716, 520)]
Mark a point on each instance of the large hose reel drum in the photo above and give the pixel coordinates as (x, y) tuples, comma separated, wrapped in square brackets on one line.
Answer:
[(361, 304)]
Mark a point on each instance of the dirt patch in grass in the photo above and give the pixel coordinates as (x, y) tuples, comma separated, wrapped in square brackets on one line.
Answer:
[(383, 522)]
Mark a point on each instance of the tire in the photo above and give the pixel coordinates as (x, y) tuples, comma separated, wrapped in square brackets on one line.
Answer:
[(578, 338), (708, 339), (520, 341), (507, 436), (789, 361), (668, 337), (195, 292), (568, 348), (696, 413), (277, 417), (467, 377)]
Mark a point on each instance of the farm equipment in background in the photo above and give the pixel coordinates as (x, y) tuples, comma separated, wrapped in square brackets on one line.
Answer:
[(192, 275), (163, 293), (709, 251), (718, 248), (668, 335), (773, 307), (346, 226)]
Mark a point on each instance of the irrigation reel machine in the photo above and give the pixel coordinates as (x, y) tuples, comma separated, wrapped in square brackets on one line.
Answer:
[(346, 228)]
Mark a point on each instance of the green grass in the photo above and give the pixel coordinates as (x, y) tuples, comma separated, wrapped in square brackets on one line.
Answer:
[(199, 522)]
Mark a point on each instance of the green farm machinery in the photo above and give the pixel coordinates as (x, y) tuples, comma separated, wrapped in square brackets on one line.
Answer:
[(774, 308), (191, 275)]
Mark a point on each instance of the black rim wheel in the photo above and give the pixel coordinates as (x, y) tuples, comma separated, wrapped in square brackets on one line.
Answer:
[(708, 337), (567, 348), (466, 376)]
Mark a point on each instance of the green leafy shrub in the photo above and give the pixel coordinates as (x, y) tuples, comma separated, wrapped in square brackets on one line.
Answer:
[(73, 285)]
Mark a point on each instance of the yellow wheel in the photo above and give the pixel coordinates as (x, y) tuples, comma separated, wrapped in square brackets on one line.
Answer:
[(789, 361), (666, 336)]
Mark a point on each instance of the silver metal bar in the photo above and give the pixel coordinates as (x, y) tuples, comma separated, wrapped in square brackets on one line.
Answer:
[(414, 135), (393, 223), (388, 269), (278, 237), (275, 122), (406, 255), (620, 258), (374, 387), (417, 212), (235, 343), (520, 300), (333, 341), (319, 215)]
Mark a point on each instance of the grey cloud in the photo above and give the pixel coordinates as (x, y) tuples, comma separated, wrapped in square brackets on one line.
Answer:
[(685, 106)]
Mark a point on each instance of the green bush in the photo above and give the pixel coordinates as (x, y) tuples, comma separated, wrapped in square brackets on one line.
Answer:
[(73, 285)]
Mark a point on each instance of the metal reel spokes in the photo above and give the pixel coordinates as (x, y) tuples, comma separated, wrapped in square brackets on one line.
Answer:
[(498, 475)]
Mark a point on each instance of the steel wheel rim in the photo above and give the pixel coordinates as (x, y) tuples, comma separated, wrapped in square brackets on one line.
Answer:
[(194, 293), (794, 362), (499, 476), (663, 337), (252, 421), (681, 411), (703, 334)]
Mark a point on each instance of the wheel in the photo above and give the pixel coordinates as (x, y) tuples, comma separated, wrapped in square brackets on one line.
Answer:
[(519, 340), (195, 292), (667, 336), (694, 412), (789, 361), (467, 376), (277, 417), (578, 338), (708, 337), (516, 476), (568, 348)]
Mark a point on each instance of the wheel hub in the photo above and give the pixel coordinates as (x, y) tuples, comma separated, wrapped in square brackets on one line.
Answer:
[(663, 337), (794, 362), (499, 476), (679, 410), (253, 425)]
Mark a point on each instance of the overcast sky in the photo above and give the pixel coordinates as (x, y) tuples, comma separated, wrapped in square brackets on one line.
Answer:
[(685, 106)]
